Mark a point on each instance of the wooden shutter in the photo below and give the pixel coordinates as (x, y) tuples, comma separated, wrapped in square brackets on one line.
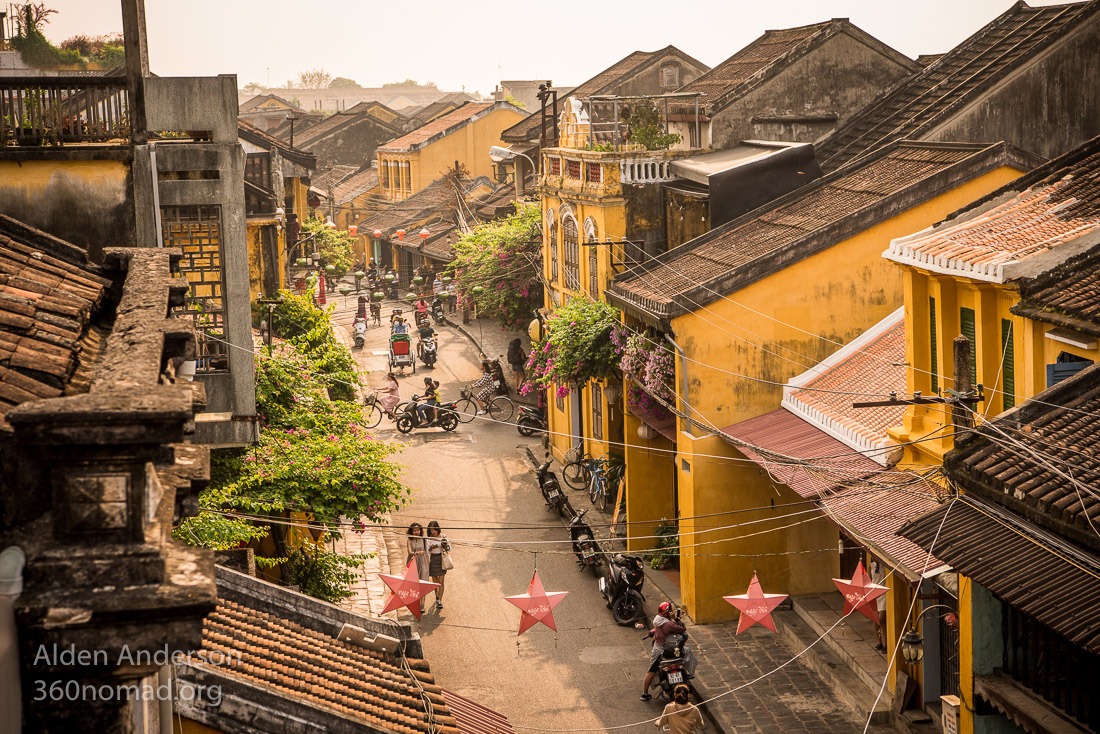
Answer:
[(1008, 366), (966, 325), (933, 347)]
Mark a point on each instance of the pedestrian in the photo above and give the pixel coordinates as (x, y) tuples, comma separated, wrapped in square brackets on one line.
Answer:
[(437, 547), (680, 716), (418, 551), (437, 286), (517, 359), (878, 576), (663, 626), (452, 297)]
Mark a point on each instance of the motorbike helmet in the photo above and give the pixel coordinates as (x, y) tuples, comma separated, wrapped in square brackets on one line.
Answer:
[(664, 608)]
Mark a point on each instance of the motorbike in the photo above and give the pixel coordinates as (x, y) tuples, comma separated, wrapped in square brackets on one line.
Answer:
[(621, 587), (360, 328), (421, 318), (677, 662), (548, 485), (437, 311), (585, 547), (410, 418), (426, 350), (530, 421)]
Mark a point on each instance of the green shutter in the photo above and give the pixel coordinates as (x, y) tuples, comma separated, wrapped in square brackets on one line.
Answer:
[(1008, 368), (933, 348), (966, 325)]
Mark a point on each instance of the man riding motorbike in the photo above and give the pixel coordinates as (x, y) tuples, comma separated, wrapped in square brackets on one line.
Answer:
[(666, 622)]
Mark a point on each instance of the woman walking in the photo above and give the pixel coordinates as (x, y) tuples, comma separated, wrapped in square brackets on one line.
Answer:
[(418, 551), (437, 545), (517, 360)]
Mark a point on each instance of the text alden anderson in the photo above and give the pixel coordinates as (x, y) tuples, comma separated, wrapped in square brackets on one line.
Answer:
[(70, 656)]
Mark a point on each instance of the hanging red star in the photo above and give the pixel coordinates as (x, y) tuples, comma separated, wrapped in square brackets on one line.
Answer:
[(755, 606), (859, 592), (537, 605), (407, 590)]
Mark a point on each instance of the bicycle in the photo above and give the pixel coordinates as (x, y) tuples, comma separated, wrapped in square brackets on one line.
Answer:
[(499, 408), (576, 472), (606, 476), (372, 411)]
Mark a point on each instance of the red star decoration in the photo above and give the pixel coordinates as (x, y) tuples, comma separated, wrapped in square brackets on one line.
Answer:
[(537, 605), (755, 606), (407, 590), (859, 592)]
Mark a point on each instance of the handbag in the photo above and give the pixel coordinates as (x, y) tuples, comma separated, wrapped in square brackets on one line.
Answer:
[(448, 564)]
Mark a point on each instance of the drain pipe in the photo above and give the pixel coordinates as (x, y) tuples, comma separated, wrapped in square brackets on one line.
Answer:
[(683, 379), (156, 194), (12, 561)]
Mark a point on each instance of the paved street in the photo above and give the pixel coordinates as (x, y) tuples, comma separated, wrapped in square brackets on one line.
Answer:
[(477, 482)]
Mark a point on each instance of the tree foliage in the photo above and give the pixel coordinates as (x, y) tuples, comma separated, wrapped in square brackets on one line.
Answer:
[(495, 265), (316, 351), (314, 79), (322, 574), (333, 245), (577, 347), (341, 82), (645, 128)]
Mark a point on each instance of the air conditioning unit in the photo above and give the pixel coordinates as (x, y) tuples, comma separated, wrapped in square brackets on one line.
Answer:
[(370, 640), (950, 718)]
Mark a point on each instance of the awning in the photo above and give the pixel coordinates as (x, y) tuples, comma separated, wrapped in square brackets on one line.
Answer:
[(473, 718), (1025, 566), (666, 425)]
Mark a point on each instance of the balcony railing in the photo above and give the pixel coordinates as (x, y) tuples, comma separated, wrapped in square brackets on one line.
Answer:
[(37, 111)]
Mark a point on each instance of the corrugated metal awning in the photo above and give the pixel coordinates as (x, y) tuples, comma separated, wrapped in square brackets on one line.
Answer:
[(473, 718), (1029, 568)]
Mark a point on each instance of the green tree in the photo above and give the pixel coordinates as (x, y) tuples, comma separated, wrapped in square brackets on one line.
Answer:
[(341, 82), (309, 329), (495, 265), (644, 126), (333, 245)]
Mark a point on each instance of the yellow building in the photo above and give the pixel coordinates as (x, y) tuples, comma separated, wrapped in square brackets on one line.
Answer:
[(1016, 274), (409, 163), (750, 305)]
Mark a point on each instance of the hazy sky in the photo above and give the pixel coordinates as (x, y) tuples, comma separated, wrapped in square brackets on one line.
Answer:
[(476, 43)]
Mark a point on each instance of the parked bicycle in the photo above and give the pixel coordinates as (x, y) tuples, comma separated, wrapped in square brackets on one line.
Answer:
[(606, 475), (576, 471)]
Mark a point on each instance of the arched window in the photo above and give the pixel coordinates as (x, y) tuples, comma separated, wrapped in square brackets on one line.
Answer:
[(571, 245), (591, 237), (552, 244)]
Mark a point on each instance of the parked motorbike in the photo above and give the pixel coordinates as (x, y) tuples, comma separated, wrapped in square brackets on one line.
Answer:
[(548, 485), (437, 311), (621, 586), (360, 328), (585, 547), (426, 350), (530, 421), (409, 418)]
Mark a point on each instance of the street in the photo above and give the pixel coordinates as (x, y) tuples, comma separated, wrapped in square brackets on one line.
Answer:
[(479, 484)]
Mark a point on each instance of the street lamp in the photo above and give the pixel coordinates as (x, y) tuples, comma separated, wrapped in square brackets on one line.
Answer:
[(912, 644), (498, 154)]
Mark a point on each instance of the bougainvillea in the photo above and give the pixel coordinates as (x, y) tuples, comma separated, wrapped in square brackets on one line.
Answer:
[(649, 366), (577, 347), (494, 266)]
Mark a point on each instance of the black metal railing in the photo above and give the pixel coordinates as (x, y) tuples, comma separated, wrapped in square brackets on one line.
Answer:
[(37, 111)]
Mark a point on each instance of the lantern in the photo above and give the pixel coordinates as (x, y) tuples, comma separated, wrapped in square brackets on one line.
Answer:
[(330, 224), (302, 262), (425, 234), (353, 230), (400, 234), (344, 290), (377, 234), (646, 432), (359, 274), (912, 647), (446, 279), (477, 290)]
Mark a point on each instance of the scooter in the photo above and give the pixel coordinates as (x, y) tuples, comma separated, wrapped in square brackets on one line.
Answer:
[(530, 421), (410, 418), (548, 485), (437, 311), (360, 336), (585, 547), (426, 350), (621, 587), (677, 664)]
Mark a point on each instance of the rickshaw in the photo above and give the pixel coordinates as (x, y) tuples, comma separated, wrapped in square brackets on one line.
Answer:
[(401, 352)]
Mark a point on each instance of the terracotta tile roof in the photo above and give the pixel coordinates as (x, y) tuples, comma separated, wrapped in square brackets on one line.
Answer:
[(603, 83), (1056, 204), (968, 71), (46, 304), (870, 503), (755, 59), (1041, 459), (1031, 569), (330, 177), (440, 126), (258, 137), (334, 123), (1068, 295), (355, 185), (799, 224), (872, 364), (312, 669)]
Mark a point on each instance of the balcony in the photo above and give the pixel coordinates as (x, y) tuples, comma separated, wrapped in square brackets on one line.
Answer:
[(63, 110)]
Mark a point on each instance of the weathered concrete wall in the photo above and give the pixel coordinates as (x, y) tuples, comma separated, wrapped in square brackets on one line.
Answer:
[(650, 80), (1048, 107), (75, 195), (184, 104), (645, 216), (838, 77)]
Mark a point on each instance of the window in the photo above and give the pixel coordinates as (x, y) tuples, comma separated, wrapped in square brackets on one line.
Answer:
[(573, 169), (555, 166), (196, 230), (670, 76), (597, 411), (1008, 366), (593, 173), (1067, 365), (933, 347), (552, 243), (590, 236), (966, 326), (571, 245), (257, 169)]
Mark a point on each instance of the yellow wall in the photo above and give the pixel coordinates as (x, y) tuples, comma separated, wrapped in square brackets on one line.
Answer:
[(468, 145), (991, 304), (719, 488), (651, 481)]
